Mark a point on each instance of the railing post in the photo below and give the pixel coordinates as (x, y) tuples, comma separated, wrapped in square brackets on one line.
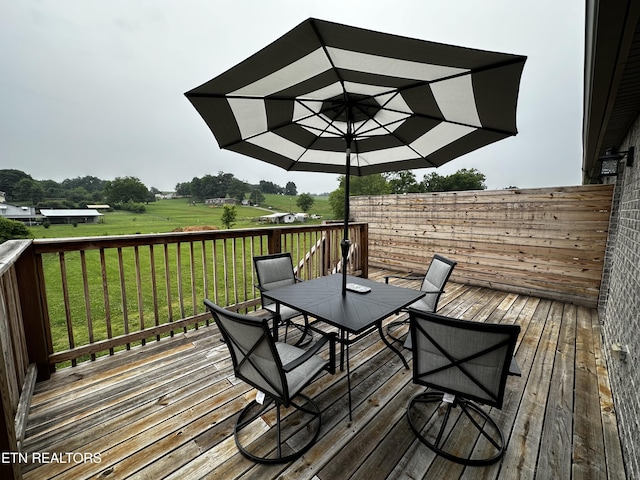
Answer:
[(35, 316), (364, 249), (275, 241), (7, 469)]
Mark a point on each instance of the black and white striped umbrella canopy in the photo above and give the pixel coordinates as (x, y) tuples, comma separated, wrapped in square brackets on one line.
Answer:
[(399, 103), (327, 97)]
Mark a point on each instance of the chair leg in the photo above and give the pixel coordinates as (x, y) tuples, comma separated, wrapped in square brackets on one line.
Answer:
[(307, 334), (393, 326), (438, 424), (295, 432)]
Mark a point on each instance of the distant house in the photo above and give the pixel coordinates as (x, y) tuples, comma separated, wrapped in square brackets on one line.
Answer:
[(3, 197), (220, 201), (15, 212), (100, 207), (79, 215), (166, 195), (279, 218)]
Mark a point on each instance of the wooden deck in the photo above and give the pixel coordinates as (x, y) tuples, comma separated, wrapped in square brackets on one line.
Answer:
[(167, 410)]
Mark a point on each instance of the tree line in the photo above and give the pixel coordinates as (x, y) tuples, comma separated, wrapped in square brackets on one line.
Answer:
[(405, 181), (130, 193), (127, 193)]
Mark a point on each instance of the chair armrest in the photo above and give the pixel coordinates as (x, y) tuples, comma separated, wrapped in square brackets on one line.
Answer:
[(311, 352), (409, 277)]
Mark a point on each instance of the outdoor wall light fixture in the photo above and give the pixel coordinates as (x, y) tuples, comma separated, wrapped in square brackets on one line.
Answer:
[(610, 160), (620, 352)]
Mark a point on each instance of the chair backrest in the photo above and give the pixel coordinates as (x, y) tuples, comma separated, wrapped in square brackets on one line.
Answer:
[(437, 275), (460, 357), (274, 271), (253, 351)]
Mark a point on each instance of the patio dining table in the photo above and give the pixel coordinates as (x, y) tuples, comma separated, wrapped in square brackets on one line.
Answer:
[(356, 313)]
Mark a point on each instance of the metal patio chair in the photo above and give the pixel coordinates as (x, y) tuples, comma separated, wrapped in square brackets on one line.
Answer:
[(465, 365), (433, 283), (279, 372), (274, 271)]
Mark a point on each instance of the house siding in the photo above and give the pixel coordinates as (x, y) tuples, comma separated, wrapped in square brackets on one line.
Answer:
[(619, 302)]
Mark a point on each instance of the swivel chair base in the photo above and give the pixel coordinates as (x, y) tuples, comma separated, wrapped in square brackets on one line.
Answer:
[(435, 424), (277, 445)]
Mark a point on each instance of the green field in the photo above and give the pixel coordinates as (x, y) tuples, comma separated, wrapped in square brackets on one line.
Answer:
[(168, 215)]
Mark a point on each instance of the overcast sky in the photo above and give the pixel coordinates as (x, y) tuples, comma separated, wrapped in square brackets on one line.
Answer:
[(96, 87)]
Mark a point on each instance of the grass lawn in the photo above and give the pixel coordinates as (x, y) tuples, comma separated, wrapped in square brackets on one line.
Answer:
[(167, 215)]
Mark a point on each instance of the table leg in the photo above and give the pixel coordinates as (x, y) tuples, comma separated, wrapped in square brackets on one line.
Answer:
[(397, 352), (342, 343), (348, 378)]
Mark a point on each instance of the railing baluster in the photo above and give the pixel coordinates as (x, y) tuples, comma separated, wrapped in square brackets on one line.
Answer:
[(234, 270), (192, 271), (87, 298), (105, 296), (167, 283), (216, 290), (179, 277), (67, 306), (136, 257), (205, 274), (123, 293), (154, 287), (244, 270), (225, 271)]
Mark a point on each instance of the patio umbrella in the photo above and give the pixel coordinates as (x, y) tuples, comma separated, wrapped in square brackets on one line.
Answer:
[(327, 97)]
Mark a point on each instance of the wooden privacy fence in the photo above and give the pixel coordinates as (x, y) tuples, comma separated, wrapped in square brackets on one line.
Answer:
[(547, 242)]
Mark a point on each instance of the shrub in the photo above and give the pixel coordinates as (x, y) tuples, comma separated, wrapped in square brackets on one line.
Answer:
[(10, 229)]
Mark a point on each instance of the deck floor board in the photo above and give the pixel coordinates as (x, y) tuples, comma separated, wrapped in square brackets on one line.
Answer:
[(167, 410)]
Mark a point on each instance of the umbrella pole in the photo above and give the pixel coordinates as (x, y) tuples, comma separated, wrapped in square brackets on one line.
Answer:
[(345, 237)]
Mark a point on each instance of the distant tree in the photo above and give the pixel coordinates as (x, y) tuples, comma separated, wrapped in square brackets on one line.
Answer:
[(290, 189), (196, 188), (256, 197), (238, 190), (402, 182), (305, 202), (9, 178), (336, 202), (52, 189), (10, 229), (183, 189), (89, 183), (374, 184), (126, 189), (433, 182), (229, 214), (270, 187), (463, 179), (28, 190), (78, 195), (466, 179)]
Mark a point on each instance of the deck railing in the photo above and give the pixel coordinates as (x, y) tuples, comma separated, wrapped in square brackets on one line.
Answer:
[(101, 294), (18, 370)]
